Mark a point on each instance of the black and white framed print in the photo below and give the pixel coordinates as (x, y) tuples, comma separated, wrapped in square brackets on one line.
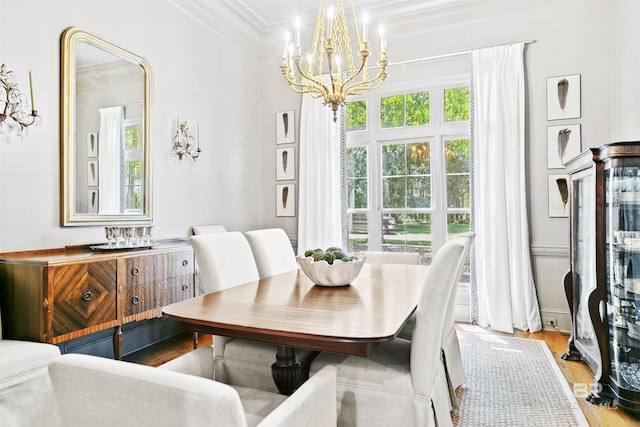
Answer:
[(92, 144), (285, 127), (92, 173), (558, 196), (563, 144), (563, 97), (285, 164), (285, 200), (92, 200)]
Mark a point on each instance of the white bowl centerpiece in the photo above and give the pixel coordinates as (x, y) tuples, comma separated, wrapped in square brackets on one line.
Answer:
[(330, 267)]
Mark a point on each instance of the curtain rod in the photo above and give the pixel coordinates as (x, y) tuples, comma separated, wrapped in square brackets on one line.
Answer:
[(447, 55)]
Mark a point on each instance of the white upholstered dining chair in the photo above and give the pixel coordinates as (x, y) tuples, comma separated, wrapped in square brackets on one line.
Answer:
[(95, 391), (209, 228), (403, 382), (272, 251), (226, 260)]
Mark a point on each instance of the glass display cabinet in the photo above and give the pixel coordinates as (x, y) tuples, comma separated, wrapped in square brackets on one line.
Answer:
[(603, 283)]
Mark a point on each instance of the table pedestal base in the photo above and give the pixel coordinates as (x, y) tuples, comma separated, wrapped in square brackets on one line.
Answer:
[(286, 371)]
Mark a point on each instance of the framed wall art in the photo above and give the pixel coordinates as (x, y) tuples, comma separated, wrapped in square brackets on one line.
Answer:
[(558, 196), (92, 144), (92, 200), (285, 200), (563, 143), (563, 97), (285, 127), (285, 164), (92, 173)]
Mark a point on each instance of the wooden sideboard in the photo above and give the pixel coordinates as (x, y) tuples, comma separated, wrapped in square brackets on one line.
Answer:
[(56, 295)]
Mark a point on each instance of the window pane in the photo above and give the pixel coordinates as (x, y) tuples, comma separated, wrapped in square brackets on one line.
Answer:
[(356, 115), (357, 188), (133, 185), (419, 158), (357, 183), (456, 224), (418, 192), (393, 192), (456, 104), (392, 111), (393, 160), (457, 178), (407, 233), (132, 138), (418, 109), (457, 156), (458, 191), (358, 234)]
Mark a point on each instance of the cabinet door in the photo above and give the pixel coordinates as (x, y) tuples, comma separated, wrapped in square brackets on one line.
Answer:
[(151, 297), (84, 296), (149, 282), (141, 270)]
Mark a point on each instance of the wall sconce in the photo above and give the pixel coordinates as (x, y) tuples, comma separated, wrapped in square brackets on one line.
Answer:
[(183, 142), (14, 115)]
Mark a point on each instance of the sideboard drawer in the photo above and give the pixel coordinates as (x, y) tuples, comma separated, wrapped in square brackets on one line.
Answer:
[(153, 296), (142, 270), (84, 295)]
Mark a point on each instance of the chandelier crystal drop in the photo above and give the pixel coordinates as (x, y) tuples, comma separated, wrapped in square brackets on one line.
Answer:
[(331, 48)]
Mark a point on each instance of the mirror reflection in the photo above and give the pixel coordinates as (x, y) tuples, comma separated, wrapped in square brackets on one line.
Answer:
[(106, 91)]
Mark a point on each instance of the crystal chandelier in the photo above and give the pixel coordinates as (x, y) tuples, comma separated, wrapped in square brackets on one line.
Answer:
[(14, 114), (333, 44)]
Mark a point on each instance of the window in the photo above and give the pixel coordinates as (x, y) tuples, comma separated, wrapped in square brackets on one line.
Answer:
[(408, 169), (132, 182)]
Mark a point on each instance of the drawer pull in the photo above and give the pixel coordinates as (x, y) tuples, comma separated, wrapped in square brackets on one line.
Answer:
[(135, 300), (87, 296), (185, 263), (185, 287), (135, 271)]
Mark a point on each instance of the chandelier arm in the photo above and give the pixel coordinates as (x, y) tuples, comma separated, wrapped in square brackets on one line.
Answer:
[(308, 77)]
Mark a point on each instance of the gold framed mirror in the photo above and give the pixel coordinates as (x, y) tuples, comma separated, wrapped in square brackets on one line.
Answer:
[(106, 132)]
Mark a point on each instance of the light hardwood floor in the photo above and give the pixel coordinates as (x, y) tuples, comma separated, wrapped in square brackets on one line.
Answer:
[(578, 374)]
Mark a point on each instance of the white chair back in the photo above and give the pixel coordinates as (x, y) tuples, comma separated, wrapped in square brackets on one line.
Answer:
[(225, 260), (430, 314), (272, 251), (204, 229), (94, 391), (380, 257)]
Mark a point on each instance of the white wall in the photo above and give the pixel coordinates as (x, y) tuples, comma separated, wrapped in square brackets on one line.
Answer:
[(197, 75), (570, 37)]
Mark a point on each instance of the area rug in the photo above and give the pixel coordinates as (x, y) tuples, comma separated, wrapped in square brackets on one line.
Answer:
[(513, 382)]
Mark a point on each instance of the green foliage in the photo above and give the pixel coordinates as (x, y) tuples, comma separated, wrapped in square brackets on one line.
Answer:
[(357, 181), (132, 137), (456, 104), (457, 154), (356, 115), (412, 109)]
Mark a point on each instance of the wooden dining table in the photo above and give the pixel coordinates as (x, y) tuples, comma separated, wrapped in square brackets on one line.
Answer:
[(291, 311)]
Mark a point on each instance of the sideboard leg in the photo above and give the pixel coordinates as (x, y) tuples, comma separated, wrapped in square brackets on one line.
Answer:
[(286, 371), (117, 343), (195, 340)]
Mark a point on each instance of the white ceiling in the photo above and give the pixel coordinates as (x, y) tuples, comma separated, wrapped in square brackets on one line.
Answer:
[(252, 23)]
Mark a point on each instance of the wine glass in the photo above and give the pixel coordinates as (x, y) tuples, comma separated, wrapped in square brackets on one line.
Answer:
[(129, 234), (108, 232), (117, 233), (149, 234), (141, 235)]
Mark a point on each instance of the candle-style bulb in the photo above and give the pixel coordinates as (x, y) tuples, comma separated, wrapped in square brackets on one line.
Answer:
[(365, 20), (287, 37), (298, 31)]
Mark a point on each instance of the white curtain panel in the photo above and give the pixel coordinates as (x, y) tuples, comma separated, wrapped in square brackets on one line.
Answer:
[(506, 291), (109, 151), (319, 221)]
